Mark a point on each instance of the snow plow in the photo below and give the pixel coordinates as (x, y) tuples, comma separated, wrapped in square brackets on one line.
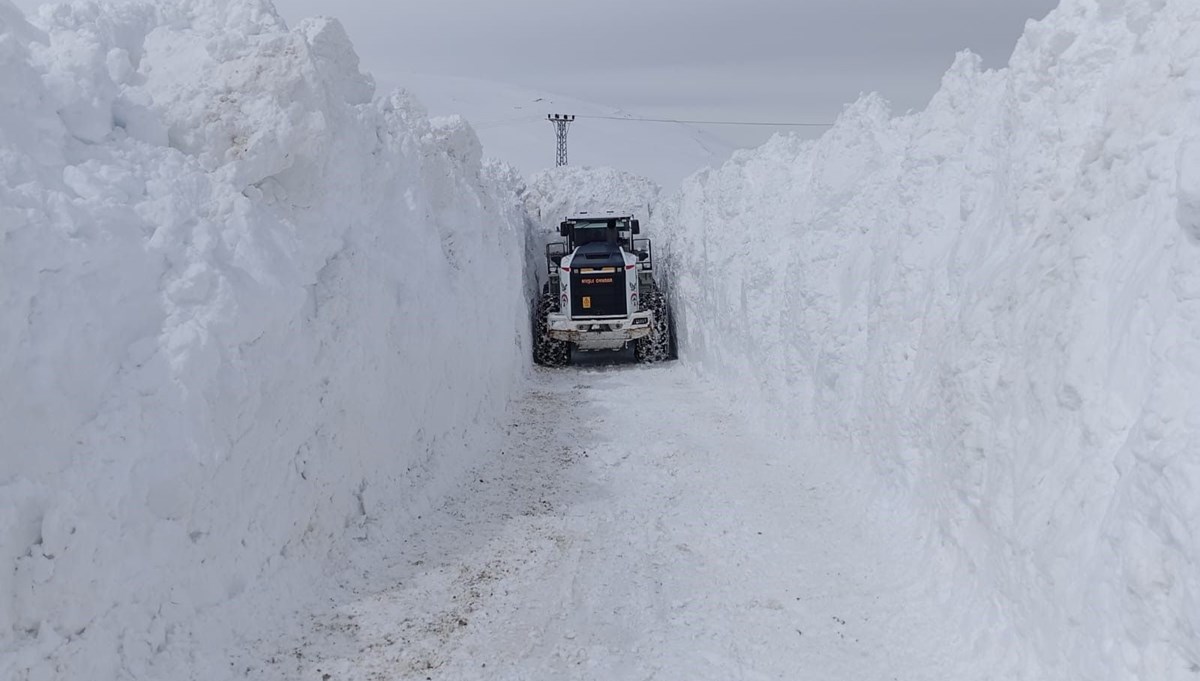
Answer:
[(601, 293)]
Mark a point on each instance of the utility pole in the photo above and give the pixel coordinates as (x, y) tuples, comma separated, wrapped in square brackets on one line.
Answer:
[(561, 123)]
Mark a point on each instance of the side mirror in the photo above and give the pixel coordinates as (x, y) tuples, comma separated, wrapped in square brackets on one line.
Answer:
[(636, 227), (564, 228)]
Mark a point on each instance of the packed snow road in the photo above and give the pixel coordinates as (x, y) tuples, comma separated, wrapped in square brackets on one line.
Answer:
[(632, 527)]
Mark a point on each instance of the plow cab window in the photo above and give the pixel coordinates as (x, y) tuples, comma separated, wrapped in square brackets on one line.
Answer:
[(594, 231)]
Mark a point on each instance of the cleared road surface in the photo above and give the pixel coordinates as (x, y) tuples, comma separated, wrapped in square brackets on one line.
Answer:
[(634, 526)]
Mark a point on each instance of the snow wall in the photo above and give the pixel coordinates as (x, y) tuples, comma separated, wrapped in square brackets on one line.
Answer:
[(558, 193), (993, 305), (241, 312)]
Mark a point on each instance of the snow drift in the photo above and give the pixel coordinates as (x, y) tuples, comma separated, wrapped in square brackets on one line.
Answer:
[(995, 303), (240, 312), (558, 193)]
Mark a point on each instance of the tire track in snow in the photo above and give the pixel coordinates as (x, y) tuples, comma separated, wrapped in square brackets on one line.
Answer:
[(633, 527)]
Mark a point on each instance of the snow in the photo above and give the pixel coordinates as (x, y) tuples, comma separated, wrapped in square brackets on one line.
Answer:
[(558, 193), (240, 310), (991, 308), (266, 410), (629, 547)]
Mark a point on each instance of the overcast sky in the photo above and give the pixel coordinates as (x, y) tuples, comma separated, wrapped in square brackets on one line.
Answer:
[(792, 60)]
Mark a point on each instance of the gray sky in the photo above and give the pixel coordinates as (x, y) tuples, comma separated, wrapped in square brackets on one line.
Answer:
[(790, 60)]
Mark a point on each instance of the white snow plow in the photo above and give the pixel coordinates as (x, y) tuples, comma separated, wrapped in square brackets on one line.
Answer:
[(601, 293)]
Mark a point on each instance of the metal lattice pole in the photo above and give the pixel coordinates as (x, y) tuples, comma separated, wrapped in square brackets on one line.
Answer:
[(561, 123)]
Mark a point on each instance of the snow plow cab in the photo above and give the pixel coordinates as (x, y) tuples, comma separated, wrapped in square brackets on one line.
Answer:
[(601, 293)]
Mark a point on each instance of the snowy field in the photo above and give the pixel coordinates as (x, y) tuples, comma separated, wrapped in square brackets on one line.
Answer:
[(511, 123), (937, 413)]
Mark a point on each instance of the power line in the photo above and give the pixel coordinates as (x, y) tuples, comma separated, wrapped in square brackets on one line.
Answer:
[(687, 122), (506, 121), (485, 125)]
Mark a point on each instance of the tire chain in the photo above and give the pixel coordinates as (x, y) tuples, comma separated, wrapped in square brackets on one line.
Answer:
[(657, 346), (547, 351)]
